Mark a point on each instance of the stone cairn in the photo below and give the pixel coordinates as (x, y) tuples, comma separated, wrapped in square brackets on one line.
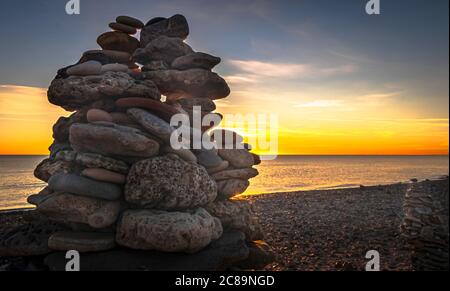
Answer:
[(426, 227), (120, 194)]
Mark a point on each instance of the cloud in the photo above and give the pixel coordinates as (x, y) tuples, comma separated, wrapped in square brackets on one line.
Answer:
[(253, 71)]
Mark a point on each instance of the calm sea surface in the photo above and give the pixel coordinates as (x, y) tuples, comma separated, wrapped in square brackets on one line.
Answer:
[(287, 173)]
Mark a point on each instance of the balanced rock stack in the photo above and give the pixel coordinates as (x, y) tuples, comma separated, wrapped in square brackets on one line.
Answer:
[(124, 196), (426, 226)]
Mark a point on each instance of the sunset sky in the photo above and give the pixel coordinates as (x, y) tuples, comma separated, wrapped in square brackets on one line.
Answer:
[(341, 81)]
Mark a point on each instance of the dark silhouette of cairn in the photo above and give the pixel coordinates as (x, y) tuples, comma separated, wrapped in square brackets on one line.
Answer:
[(118, 192)]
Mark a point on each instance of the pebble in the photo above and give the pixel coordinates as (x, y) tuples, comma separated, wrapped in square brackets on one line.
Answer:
[(185, 154), (238, 158), (160, 109), (208, 158), (152, 123), (243, 174), (223, 166), (118, 41), (104, 176)]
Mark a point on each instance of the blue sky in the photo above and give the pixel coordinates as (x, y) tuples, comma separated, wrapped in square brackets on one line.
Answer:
[(319, 58)]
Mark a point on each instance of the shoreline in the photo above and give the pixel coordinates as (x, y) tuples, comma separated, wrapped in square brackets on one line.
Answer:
[(322, 230)]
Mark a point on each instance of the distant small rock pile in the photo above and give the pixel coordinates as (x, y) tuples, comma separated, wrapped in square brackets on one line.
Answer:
[(426, 227), (115, 183)]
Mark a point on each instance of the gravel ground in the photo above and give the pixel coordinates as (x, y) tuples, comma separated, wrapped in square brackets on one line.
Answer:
[(332, 230)]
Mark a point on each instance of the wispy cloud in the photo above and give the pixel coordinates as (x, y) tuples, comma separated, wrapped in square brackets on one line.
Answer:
[(319, 104), (253, 71)]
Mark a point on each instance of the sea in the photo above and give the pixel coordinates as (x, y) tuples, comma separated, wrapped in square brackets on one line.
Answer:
[(284, 174)]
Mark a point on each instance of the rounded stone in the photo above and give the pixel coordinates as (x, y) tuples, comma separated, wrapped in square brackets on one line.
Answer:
[(112, 140), (104, 176), (168, 231), (123, 28), (237, 215), (208, 158), (118, 41), (195, 60), (205, 104), (85, 69), (238, 158), (130, 21), (223, 166), (75, 184), (67, 207), (229, 188), (169, 183), (151, 123), (97, 115), (82, 241)]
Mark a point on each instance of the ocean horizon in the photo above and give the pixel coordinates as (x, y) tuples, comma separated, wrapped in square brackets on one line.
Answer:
[(287, 173)]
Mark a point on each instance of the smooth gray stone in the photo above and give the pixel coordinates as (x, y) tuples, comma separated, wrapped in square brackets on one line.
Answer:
[(152, 123), (218, 256), (85, 187), (164, 49), (208, 158), (85, 69)]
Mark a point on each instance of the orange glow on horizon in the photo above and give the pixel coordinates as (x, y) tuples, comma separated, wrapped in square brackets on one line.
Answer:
[(26, 120)]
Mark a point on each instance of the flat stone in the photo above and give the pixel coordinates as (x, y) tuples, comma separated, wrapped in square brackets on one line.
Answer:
[(190, 83), (96, 115), (185, 154), (223, 166), (130, 21), (160, 109), (118, 41), (229, 188), (57, 147), (114, 68), (239, 158), (122, 118), (123, 28), (75, 184), (195, 61), (104, 176), (27, 240), (106, 57), (175, 26), (163, 48), (220, 255), (65, 207), (237, 215), (168, 231), (81, 241), (48, 168), (225, 138), (85, 69), (169, 183), (206, 105), (243, 174), (90, 160), (152, 123), (111, 140), (208, 158), (75, 92)]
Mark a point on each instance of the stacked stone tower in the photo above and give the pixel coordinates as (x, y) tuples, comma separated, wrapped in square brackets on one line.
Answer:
[(120, 192)]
